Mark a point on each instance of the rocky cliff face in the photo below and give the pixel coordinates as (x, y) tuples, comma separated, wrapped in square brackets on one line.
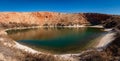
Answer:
[(95, 18), (24, 19)]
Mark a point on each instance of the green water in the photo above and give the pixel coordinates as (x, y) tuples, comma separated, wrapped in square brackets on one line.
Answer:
[(57, 40)]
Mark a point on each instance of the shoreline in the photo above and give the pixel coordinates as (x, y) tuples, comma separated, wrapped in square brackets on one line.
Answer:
[(65, 56), (15, 28)]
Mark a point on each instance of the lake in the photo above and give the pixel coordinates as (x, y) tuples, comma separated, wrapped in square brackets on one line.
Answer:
[(58, 40)]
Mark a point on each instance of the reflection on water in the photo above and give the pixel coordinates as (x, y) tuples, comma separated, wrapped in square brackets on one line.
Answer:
[(57, 40)]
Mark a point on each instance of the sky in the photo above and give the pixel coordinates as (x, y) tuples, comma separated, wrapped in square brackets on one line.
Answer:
[(66, 6)]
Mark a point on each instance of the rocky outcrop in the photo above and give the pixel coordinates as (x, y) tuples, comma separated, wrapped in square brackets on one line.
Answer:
[(17, 19), (25, 19), (96, 18)]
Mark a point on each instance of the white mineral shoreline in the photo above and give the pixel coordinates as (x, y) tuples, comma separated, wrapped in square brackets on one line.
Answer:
[(25, 48), (96, 26), (102, 43), (108, 38), (77, 26), (105, 40)]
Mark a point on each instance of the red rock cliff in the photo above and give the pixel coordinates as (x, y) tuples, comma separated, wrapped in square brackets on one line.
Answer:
[(13, 19)]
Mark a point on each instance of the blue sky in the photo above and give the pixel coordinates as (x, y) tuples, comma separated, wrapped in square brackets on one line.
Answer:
[(67, 6)]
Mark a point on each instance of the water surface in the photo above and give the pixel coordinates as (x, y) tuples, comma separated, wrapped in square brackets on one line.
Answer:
[(58, 40)]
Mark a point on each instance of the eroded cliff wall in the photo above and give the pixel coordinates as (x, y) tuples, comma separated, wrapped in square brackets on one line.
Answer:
[(25, 19)]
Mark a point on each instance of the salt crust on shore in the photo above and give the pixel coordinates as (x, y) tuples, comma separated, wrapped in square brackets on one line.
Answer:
[(106, 40), (103, 42), (25, 48)]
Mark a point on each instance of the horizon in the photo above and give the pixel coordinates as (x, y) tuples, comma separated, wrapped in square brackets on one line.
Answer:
[(62, 6), (55, 12)]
